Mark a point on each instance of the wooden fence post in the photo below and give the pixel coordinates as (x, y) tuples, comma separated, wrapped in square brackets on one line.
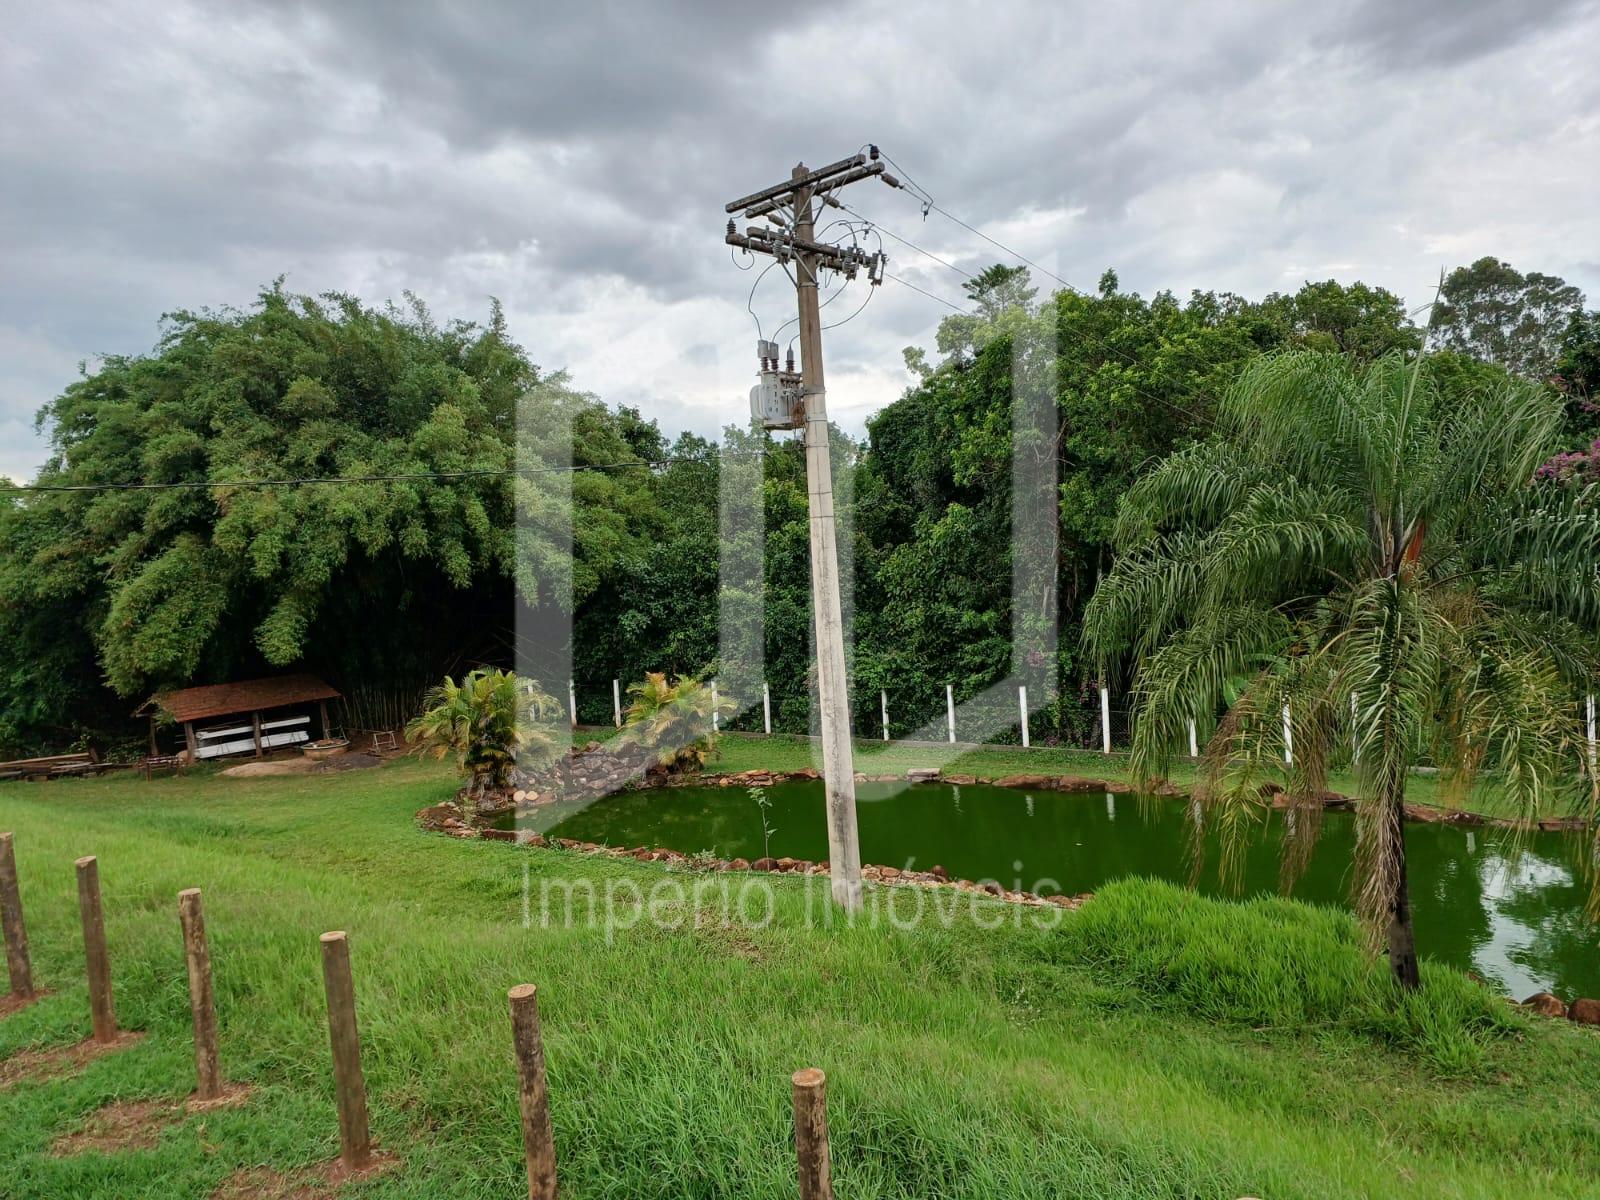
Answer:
[(350, 1088), (202, 1001), (811, 1134), (538, 1140), (102, 1011), (18, 965)]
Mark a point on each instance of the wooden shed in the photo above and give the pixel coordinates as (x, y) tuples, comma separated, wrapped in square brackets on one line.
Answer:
[(252, 715)]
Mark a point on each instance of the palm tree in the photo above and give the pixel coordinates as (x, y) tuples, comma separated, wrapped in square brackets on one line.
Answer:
[(489, 721), (1369, 556), (673, 720)]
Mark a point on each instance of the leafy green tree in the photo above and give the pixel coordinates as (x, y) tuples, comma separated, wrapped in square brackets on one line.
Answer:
[(1357, 319), (1497, 313), (491, 721), (1358, 551), (1577, 374)]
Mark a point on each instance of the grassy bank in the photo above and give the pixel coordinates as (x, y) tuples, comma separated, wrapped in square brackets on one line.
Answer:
[(1154, 1045)]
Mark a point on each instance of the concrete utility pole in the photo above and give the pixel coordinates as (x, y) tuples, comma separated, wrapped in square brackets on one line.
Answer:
[(783, 401)]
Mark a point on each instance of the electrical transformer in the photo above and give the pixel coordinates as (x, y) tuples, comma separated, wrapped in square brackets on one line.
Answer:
[(775, 400)]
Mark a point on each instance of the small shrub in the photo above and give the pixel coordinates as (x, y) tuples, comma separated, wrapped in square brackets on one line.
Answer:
[(672, 719), (488, 721)]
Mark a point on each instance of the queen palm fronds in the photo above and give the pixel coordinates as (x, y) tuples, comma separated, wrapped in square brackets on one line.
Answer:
[(1375, 558)]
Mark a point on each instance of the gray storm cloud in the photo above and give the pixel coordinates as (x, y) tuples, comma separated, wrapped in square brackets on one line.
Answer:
[(573, 161)]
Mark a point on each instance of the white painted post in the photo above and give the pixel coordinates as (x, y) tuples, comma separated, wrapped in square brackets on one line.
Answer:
[(1022, 707), (950, 709), (766, 706), (572, 701), (616, 702), (1194, 742), (1592, 747), (1288, 739), (883, 701), (716, 720), (1105, 720)]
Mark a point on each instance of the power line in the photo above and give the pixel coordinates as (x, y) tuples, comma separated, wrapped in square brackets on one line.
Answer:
[(928, 294), (1002, 246), (927, 204)]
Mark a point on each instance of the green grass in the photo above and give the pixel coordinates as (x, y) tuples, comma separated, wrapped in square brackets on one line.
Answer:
[(1154, 1045), (786, 752)]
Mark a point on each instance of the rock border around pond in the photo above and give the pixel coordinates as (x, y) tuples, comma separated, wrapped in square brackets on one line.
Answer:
[(447, 819)]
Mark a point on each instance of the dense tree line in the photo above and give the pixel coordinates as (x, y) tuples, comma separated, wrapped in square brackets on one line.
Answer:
[(178, 565)]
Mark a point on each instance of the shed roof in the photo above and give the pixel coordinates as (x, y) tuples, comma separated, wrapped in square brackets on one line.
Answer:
[(245, 696)]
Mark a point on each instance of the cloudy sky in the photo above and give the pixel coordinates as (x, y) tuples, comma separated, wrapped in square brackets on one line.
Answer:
[(573, 160)]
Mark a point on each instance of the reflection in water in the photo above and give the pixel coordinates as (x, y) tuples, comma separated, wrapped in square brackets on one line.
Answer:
[(1517, 918)]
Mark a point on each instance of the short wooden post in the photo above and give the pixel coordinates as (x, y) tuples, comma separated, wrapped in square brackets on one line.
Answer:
[(811, 1134), (950, 710), (255, 730), (1022, 709), (350, 1088), (18, 965), (1105, 720), (538, 1140), (202, 1001), (102, 1011), (883, 704), (616, 703), (766, 707)]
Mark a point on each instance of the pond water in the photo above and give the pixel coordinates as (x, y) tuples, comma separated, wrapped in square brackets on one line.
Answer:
[(1518, 921)]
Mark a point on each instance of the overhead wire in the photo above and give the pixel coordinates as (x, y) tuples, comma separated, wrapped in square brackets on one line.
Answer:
[(927, 204)]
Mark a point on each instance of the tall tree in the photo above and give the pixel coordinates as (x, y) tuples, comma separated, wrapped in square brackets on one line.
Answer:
[(1356, 551), (1495, 312)]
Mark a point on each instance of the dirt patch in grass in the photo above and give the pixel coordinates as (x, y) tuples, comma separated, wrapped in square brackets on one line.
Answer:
[(56, 1061), (124, 1125), (14, 1004), (309, 1183), (233, 1094)]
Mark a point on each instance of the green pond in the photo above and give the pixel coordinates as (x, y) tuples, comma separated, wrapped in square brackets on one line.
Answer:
[(1515, 919)]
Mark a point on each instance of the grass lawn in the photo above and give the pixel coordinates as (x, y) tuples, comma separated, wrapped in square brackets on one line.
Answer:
[(1153, 1045), (786, 752)]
